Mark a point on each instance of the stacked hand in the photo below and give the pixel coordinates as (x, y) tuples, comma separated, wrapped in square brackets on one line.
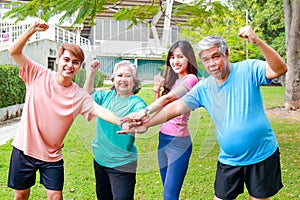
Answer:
[(133, 124), (138, 116)]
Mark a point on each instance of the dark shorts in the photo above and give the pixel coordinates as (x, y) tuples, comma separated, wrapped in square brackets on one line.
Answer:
[(22, 172), (262, 179)]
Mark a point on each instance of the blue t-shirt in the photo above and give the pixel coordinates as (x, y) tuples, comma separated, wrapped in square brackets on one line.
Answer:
[(236, 107), (111, 149)]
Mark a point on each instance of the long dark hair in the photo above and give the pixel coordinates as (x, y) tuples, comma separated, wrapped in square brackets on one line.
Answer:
[(169, 75)]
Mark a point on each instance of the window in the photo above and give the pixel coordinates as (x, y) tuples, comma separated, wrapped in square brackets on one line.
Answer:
[(117, 30)]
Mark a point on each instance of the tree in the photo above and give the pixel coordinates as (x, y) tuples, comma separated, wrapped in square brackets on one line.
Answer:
[(214, 18), (283, 34), (265, 17), (82, 10), (205, 18), (292, 32)]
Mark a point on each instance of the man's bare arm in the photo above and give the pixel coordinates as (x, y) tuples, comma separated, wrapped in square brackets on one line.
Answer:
[(16, 49), (276, 66), (170, 111)]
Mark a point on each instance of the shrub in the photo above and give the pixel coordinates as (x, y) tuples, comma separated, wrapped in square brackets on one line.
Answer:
[(99, 79), (80, 77), (12, 88)]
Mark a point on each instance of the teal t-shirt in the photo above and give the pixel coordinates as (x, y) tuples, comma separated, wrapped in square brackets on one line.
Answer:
[(236, 107), (111, 149)]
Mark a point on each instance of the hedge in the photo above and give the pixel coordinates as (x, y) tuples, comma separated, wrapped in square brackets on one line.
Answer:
[(80, 77), (12, 88)]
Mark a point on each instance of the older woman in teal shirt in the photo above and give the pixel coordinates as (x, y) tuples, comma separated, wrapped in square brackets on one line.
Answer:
[(115, 155)]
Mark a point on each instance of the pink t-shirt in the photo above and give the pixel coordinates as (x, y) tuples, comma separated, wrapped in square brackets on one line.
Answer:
[(48, 113), (178, 126)]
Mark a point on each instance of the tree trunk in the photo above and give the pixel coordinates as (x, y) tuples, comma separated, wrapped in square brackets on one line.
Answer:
[(292, 30)]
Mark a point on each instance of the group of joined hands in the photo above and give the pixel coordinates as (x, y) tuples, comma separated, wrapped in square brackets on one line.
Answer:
[(135, 122)]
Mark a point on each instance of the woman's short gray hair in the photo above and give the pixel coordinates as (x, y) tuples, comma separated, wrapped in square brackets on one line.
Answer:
[(212, 41), (125, 63), (133, 67)]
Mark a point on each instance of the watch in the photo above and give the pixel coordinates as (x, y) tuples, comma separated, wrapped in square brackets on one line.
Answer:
[(147, 111)]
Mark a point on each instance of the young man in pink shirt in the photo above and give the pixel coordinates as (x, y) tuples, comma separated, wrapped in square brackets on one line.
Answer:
[(52, 103)]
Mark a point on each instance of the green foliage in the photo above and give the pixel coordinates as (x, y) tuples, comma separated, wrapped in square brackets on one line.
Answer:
[(206, 18), (82, 9), (44, 9), (99, 79), (216, 18), (270, 23), (80, 78), (138, 13), (21, 11), (12, 88), (267, 19)]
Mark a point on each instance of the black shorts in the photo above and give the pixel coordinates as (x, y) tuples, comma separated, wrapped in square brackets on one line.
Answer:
[(22, 172), (262, 179), (115, 183)]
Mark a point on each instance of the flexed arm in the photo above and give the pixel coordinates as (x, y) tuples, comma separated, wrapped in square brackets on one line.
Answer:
[(99, 111), (90, 80), (16, 49), (276, 66)]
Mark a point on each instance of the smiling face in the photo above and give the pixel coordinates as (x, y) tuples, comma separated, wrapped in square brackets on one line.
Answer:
[(124, 81), (215, 63), (68, 66), (179, 62)]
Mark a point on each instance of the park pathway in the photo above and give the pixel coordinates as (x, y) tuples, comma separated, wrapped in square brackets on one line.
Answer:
[(8, 130)]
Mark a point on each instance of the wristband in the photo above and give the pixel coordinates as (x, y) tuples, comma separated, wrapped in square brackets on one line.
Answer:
[(121, 124), (147, 111)]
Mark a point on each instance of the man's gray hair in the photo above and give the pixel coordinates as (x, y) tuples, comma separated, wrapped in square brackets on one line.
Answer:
[(212, 41)]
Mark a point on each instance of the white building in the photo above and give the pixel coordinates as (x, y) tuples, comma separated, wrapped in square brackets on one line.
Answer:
[(111, 41)]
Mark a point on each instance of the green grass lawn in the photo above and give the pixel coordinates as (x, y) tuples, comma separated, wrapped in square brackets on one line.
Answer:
[(79, 173)]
